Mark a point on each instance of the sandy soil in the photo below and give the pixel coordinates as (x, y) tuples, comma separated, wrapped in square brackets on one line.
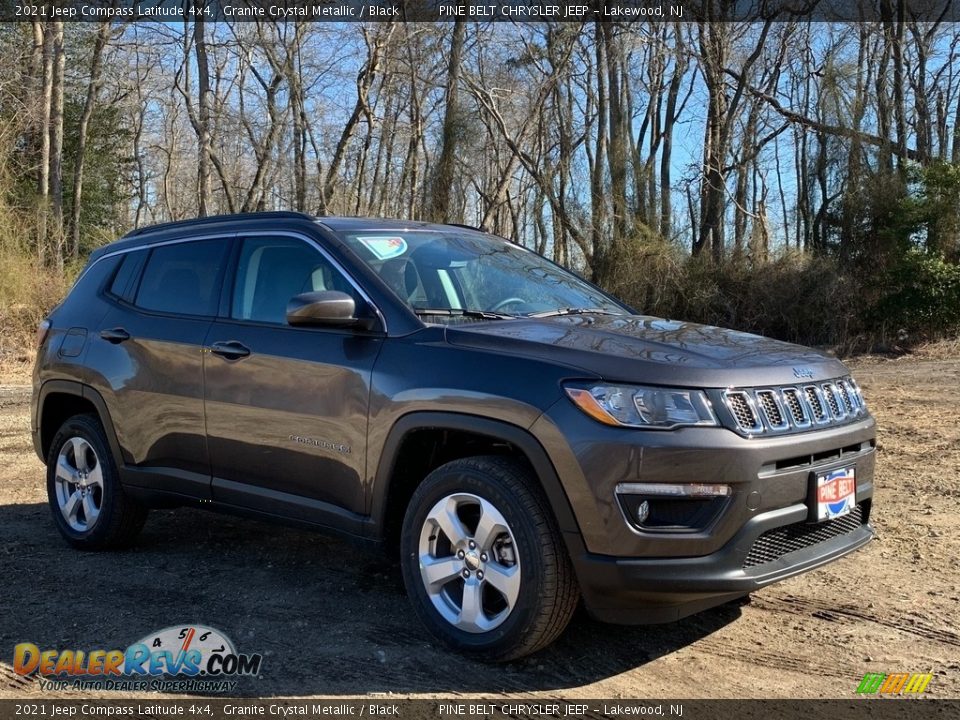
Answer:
[(333, 620)]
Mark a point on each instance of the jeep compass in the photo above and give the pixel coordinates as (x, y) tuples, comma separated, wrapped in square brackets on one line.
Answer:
[(520, 440)]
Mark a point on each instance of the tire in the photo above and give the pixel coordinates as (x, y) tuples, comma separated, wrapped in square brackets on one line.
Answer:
[(521, 590), (88, 504)]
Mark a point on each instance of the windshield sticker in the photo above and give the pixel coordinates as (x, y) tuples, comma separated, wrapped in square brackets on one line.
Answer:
[(385, 247)]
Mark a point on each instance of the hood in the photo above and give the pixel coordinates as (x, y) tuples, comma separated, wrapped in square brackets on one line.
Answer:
[(643, 349)]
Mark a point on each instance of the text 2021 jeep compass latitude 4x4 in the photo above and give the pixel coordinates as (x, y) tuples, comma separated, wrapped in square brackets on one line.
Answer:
[(517, 437)]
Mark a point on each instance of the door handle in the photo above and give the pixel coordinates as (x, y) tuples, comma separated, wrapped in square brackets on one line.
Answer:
[(231, 350), (116, 335)]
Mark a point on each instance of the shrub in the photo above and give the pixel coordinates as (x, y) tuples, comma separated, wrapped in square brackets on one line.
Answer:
[(28, 291), (795, 296), (921, 296)]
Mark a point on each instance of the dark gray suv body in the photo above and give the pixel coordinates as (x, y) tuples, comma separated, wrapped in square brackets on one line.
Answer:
[(548, 445)]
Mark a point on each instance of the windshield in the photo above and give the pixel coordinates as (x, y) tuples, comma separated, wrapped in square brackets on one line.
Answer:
[(451, 274)]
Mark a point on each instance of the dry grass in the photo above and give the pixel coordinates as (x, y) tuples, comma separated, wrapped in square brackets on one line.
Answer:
[(28, 291), (940, 350)]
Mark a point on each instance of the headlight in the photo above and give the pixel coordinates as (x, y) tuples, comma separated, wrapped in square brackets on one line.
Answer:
[(644, 407)]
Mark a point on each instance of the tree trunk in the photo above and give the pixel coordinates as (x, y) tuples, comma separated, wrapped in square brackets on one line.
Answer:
[(617, 147), (598, 202), (204, 135), (45, 35), (666, 156), (365, 80), (442, 189), (56, 143), (93, 87)]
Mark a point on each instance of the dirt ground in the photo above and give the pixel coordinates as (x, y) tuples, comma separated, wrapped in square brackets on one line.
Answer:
[(333, 620)]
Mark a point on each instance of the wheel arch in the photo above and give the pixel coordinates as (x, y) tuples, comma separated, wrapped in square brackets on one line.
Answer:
[(60, 400), (391, 490)]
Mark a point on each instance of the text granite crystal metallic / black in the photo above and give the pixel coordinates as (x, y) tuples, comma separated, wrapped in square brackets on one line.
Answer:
[(516, 438)]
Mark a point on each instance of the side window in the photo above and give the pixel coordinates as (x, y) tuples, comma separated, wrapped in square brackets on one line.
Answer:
[(273, 270), (124, 285), (183, 278)]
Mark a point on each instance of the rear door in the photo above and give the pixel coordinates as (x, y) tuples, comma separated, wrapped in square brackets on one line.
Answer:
[(150, 347), (287, 406)]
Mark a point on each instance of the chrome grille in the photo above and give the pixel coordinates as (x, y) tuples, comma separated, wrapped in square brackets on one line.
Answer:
[(816, 403), (768, 402), (796, 407), (847, 396), (857, 395), (830, 393), (742, 408), (790, 408), (774, 544)]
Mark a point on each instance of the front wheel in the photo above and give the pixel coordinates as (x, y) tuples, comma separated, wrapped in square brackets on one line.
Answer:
[(89, 507), (483, 562)]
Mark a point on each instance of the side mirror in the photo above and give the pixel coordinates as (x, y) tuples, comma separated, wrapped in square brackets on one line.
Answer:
[(329, 308)]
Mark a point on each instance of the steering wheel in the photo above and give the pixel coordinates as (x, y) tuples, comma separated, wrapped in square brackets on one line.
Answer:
[(509, 301)]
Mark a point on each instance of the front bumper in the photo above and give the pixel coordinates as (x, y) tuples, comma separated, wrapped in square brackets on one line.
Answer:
[(657, 590), (631, 574)]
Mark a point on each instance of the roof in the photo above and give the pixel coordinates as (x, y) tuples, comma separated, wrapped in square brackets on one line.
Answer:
[(353, 224), (215, 219), (161, 231)]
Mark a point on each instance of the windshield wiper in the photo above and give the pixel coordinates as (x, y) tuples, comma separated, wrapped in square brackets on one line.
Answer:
[(458, 312), (571, 311)]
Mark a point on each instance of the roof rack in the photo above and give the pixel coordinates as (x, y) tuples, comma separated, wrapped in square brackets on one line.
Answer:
[(479, 228), (209, 219)]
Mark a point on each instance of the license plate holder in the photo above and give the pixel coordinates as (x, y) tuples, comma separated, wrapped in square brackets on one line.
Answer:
[(833, 493)]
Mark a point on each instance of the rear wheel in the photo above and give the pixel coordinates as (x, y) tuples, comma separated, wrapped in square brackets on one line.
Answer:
[(483, 561), (89, 506)]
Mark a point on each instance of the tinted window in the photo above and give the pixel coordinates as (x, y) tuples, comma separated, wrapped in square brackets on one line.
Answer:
[(183, 278), (124, 283), (273, 270)]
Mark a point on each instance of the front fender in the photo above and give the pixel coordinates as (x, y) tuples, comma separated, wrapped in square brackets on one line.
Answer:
[(495, 429)]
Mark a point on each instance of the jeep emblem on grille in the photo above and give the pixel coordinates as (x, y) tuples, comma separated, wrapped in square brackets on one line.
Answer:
[(802, 372)]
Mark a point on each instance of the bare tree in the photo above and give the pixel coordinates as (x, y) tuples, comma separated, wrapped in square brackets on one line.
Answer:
[(56, 140), (442, 184), (93, 89)]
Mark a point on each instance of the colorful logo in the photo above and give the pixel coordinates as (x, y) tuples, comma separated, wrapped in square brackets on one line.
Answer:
[(836, 493), (384, 247), (183, 651), (894, 684)]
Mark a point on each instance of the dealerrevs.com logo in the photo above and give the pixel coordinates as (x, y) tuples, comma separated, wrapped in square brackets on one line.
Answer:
[(180, 658)]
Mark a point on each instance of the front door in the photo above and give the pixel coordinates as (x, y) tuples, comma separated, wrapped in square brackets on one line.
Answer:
[(286, 406)]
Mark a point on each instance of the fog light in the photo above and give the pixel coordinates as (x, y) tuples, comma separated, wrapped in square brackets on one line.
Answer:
[(669, 507), (643, 511)]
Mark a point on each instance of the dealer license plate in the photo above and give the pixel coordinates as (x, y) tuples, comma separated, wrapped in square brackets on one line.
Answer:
[(836, 493)]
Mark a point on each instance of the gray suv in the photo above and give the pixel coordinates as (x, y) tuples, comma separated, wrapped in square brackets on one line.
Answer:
[(514, 436)]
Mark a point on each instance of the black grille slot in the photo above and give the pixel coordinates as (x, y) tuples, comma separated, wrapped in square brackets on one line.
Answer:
[(832, 401), (813, 397), (770, 408), (845, 395), (774, 544), (742, 412), (792, 399)]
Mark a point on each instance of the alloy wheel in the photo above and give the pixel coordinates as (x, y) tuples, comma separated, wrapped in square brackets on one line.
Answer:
[(79, 484), (469, 563)]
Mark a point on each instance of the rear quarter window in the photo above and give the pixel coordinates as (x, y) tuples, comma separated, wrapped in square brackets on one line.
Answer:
[(124, 285)]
